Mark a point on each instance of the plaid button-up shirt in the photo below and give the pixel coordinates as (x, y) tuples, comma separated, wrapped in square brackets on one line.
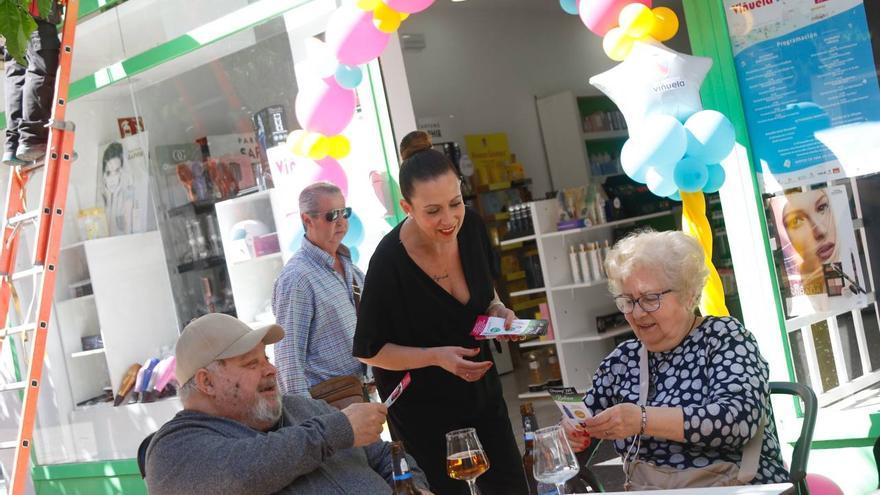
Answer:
[(315, 305)]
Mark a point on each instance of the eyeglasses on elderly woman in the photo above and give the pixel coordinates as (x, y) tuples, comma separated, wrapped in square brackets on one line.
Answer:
[(648, 302), (333, 215)]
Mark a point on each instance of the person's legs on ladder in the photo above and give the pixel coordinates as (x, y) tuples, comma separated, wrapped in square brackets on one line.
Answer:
[(38, 91), (14, 84)]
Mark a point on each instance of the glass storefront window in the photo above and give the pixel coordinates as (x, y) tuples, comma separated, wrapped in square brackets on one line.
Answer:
[(182, 111), (808, 77)]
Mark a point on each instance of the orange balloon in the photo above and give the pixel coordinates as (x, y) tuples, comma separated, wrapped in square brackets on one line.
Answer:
[(665, 24)]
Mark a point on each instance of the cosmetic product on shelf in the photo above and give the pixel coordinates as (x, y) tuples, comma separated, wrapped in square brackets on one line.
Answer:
[(575, 266), (584, 259), (595, 265)]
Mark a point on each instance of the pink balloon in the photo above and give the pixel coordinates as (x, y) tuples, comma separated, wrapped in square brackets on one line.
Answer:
[(353, 38), (821, 485), (409, 6), (331, 171), (601, 15), (324, 106)]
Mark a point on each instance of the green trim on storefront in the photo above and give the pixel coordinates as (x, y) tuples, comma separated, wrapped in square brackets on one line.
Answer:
[(93, 478), (223, 27), (395, 191), (120, 467), (88, 7), (709, 37)]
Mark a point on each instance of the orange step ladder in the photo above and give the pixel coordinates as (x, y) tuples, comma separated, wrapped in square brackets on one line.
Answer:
[(48, 220)]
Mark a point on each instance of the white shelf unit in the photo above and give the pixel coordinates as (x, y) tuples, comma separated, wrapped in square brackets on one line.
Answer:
[(131, 309), (573, 306), (252, 280)]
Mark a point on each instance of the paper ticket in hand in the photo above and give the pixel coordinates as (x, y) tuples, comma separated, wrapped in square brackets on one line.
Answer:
[(398, 390), (570, 403), (489, 327)]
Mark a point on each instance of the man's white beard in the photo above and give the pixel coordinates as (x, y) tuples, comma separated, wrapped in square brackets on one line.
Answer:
[(267, 410)]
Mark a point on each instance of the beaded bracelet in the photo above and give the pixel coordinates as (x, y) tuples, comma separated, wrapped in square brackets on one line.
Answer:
[(644, 419)]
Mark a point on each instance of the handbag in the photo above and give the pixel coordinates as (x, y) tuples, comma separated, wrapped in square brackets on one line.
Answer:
[(339, 391), (342, 391), (643, 475)]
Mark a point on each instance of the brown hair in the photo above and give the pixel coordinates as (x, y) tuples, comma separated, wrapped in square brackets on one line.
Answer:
[(420, 162), (413, 143)]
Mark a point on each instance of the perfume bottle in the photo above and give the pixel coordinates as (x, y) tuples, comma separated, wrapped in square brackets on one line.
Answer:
[(214, 241), (208, 295), (195, 237)]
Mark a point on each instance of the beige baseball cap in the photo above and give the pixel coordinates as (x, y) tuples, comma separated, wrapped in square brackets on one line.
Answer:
[(217, 336)]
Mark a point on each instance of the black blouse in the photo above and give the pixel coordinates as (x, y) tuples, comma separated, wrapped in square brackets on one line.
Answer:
[(402, 305)]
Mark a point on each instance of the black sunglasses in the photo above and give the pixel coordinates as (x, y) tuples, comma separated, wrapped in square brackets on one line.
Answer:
[(333, 215)]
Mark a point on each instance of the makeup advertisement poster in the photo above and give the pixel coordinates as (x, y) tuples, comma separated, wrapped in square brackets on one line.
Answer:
[(819, 252)]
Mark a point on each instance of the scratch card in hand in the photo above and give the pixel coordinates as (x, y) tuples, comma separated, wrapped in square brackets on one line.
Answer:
[(489, 327), (570, 403), (398, 390)]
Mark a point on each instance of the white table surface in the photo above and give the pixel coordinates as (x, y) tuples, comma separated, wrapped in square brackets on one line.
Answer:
[(774, 489)]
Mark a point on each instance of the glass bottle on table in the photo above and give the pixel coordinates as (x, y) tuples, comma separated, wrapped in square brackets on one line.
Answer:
[(465, 458), (530, 424), (402, 476)]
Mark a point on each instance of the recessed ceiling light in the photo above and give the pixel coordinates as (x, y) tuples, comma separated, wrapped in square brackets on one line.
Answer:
[(456, 1)]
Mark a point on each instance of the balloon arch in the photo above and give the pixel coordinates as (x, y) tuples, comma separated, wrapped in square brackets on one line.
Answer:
[(675, 147)]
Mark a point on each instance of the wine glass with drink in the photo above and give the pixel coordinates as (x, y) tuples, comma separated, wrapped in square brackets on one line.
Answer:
[(465, 458), (555, 462)]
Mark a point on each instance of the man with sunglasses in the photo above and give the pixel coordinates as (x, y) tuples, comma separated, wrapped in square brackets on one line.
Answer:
[(316, 297)]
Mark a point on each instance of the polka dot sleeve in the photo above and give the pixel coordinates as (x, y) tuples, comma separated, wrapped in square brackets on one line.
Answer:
[(738, 390), (604, 393)]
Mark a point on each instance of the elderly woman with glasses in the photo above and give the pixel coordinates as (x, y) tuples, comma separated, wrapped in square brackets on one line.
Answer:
[(703, 383)]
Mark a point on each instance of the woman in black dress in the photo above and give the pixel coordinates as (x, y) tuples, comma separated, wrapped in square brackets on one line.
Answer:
[(428, 280)]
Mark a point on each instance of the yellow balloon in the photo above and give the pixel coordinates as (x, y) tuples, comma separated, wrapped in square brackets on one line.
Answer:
[(340, 147), (386, 19), (368, 5), (695, 224), (636, 20), (665, 24), (617, 44), (295, 142), (404, 16), (317, 145)]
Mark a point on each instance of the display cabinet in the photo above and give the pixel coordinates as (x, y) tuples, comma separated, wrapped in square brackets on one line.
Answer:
[(574, 308)]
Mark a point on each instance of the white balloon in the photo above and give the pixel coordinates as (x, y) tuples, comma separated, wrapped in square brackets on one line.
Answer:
[(654, 80), (320, 59)]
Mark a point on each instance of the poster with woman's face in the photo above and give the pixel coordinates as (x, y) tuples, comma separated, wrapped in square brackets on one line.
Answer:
[(818, 243), (123, 184)]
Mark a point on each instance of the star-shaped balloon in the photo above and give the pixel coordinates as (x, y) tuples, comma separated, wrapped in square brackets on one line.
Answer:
[(654, 80)]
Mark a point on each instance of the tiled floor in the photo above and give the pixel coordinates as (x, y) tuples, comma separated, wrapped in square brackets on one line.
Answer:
[(606, 463)]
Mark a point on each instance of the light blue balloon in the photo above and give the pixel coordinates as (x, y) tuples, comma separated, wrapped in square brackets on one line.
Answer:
[(690, 174), (675, 196), (634, 167), (355, 234), (716, 178), (660, 143), (355, 254), (710, 136), (297, 239), (349, 76), (569, 6), (660, 182)]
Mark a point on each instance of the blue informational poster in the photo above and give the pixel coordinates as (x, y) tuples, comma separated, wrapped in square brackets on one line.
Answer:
[(809, 86)]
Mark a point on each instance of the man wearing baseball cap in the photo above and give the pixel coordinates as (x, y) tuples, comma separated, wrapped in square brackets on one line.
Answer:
[(238, 435)]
